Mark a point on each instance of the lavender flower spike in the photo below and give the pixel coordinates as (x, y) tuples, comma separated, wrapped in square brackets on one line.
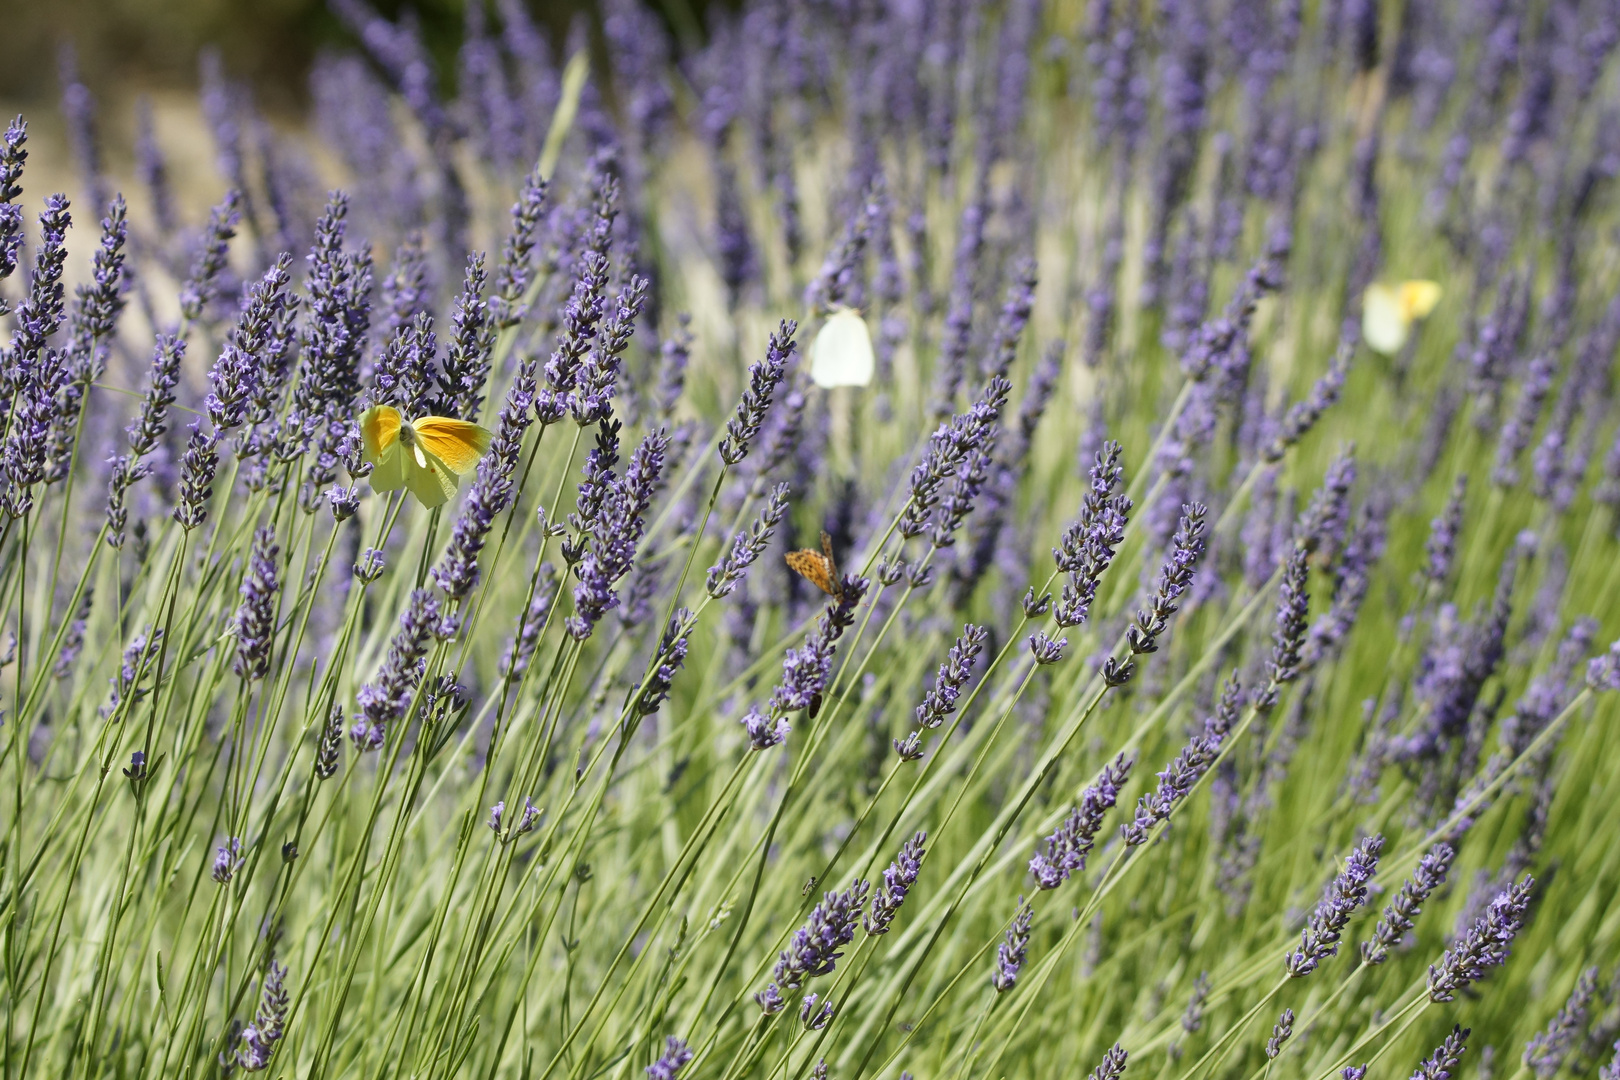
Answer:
[(1113, 1065), (1010, 954), (898, 879), (1486, 944), (1442, 1064), (763, 379), (940, 701), (1345, 894), (1067, 848), (259, 1038), (815, 948), (1400, 916), (669, 1066), (1545, 1053), (746, 547), (256, 618)]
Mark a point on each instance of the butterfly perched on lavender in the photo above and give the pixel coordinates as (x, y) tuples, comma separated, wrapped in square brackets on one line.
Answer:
[(819, 568)]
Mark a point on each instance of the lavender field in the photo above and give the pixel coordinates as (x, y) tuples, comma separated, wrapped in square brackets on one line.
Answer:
[(1029, 539)]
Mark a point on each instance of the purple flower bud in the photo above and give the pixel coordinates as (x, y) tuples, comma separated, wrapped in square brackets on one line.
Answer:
[(1010, 954), (763, 379), (1545, 1053), (197, 470), (898, 879), (1046, 650), (203, 285), (1485, 945), (1281, 1032), (328, 754), (259, 1038), (1067, 848), (1113, 1065), (746, 547), (1174, 577), (256, 617), (940, 701), (815, 948), (1442, 1064), (675, 1057), (1401, 915), (227, 860), (388, 695), (1345, 894)]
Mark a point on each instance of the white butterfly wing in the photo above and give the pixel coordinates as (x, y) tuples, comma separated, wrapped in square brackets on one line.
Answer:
[(842, 355), (1384, 321)]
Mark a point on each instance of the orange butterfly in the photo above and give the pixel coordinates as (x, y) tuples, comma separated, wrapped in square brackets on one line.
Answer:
[(819, 568)]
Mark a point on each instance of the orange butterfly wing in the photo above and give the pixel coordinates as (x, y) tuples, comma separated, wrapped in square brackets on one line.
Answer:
[(817, 567)]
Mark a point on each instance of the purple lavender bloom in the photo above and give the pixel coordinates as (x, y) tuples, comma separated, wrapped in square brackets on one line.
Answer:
[(1174, 577), (1612, 1070), (1322, 525), (388, 695), (228, 860), (1281, 1032), (669, 1066), (328, 755), (236, 375), (1345, 894), (1045, 649), (940, 702), (1112, 1066), (909, 748), (1010, 954), (1088, 545), (1545, 1053), (898, 879), (815, 948), (765, 731), (1603, 673), (815, 1019), (1401, 915), (671, 654), (1067, 848), (79, 109), (1303, 415), (1443, 531), (516, 270), (256, 618), (204, 282), (467, 360), (197, 470), (1485, 945), (1442, 1064), (763, 379), (1175, 782), (40, 313), (1288, 637), (725, 575), (493, 490), (1354, 1072), (972, 468), (611, 550), (805, 670), (597, 378), (259, 1038), (152, 170), (673, 356)]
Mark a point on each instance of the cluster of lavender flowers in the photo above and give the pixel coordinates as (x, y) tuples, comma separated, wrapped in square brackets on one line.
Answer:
[(1340, 287)]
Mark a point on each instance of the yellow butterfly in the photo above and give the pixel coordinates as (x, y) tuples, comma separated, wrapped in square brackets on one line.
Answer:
[(841, 355), (1388, 312), (424, 456)]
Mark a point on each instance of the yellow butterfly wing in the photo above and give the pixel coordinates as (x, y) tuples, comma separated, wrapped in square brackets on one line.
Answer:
[(379, 436), (1384, 321), (842, 354), (427, 477), (455, 443), (1418, 298)]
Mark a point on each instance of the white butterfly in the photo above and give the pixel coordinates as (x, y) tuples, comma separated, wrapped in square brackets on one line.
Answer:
[(841, 355), (1388, 312)]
